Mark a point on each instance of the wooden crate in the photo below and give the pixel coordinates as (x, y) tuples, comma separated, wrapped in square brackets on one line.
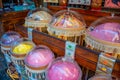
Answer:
[(84, 57)]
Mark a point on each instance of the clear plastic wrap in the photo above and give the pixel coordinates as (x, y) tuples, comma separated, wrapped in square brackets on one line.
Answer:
[(67, 19), (104, 34), (107, 29), (22, 46), (38, 18), (39, 57), (67, 25), (9, 37), (64, 69)]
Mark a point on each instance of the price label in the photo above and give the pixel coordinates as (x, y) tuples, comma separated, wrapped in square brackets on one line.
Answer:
[(73, 1), (30, 33), (51, 1), (105, 64), (70, 49)]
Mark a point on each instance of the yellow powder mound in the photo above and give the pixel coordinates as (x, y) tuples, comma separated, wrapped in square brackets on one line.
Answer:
[(22, 48)]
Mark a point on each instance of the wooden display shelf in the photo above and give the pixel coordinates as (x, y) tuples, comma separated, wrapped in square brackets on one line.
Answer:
[(9, 19), (6, 16), (85, 57)]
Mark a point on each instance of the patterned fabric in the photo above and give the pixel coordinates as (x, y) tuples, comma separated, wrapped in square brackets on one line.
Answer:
[(112, 3)]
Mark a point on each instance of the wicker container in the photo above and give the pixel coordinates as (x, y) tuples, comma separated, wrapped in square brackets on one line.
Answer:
[(37, 61), (101, 77), (103, 35), (38, 19), (85, 57), (19, 50), (6, 40)]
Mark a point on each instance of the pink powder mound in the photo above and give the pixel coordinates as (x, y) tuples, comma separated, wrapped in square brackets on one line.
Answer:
[(39, 57), (107, 32), (63, 70)]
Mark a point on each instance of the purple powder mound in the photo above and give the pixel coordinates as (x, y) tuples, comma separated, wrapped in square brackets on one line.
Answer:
[(108, 32), (9, 37)]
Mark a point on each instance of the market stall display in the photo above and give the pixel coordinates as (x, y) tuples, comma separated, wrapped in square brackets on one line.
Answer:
[(37, 61), (67, 25), (84, 57)]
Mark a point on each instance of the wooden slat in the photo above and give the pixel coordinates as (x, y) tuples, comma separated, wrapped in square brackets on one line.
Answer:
[(85, 57), (9, 19), (8, 16)]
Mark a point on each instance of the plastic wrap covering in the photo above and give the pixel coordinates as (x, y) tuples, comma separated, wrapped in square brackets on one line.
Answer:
[(22, 46), (39, 57), (63, 69), (38, 18), (9, 37), (104, 34), (67, 23)]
